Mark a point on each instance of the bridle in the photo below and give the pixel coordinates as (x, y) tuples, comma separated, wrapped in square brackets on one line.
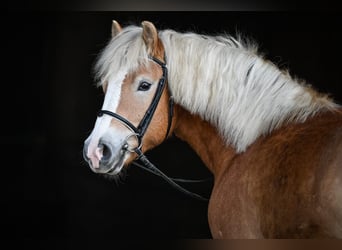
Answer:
[(140, 131)]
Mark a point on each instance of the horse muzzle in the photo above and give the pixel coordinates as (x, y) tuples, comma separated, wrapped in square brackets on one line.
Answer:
[(105, 158)]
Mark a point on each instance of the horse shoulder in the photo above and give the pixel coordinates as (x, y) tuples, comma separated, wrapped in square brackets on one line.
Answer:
[(273, 189)]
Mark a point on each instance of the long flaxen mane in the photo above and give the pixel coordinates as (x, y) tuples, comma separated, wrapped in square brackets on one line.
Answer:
[(222, 79)]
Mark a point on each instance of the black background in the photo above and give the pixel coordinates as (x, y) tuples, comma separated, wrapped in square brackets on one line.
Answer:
[(51, 191)]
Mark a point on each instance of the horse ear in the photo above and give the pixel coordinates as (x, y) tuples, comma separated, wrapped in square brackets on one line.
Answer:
[(116, 28), (149, 35)]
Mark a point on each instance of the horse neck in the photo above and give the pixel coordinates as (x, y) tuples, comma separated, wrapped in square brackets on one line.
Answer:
[(204, 139), (235, 89)]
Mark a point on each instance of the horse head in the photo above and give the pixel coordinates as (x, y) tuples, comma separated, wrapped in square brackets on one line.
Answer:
[(135, 113)]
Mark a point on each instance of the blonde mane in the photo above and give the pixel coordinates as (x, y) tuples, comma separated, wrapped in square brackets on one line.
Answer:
[(223, 80)]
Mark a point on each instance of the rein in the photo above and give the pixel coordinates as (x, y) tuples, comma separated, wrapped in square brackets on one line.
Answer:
[(148, 166), (140, 131)]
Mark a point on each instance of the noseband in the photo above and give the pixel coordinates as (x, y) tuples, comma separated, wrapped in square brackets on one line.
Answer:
[(142, 127)]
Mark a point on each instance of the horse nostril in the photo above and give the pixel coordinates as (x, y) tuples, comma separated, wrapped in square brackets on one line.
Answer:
[(106, 152)]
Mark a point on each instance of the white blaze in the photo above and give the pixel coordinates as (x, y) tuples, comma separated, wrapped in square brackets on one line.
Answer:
[(102, 123)]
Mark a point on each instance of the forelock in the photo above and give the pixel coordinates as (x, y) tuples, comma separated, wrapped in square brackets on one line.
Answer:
[(126, 51)]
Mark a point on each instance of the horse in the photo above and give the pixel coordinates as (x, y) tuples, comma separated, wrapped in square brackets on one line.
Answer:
[(272, 142)]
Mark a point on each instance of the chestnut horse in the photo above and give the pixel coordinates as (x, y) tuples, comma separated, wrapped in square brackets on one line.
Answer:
[(274, 145)]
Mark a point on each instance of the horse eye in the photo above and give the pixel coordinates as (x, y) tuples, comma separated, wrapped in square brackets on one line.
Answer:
[(144, 86)]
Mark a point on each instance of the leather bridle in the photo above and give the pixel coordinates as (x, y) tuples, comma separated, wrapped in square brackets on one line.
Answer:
[(140, 131)]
